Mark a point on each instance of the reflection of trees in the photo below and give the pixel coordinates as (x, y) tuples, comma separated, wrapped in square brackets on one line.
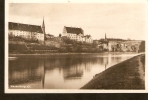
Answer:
[(116, 59), (73, 72), (26, 70), (69, 61), (72, 66), (110, 60)]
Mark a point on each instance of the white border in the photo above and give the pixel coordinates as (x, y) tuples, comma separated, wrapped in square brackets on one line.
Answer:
[(7, 90)]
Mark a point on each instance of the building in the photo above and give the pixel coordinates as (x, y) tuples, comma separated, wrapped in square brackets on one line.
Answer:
[(104, 43), (49, 36), (27, 31), (76, 34), (88, 39), (120, 45), (73, 33)]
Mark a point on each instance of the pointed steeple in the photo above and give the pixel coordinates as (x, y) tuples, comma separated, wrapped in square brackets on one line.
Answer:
[(105, 36), (43, 26)]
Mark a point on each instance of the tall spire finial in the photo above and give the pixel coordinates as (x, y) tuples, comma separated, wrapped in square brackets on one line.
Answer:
[(43, 28), (43, 25), (105, 36)]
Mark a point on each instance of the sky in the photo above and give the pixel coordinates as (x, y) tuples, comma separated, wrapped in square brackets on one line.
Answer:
[(116, 20)]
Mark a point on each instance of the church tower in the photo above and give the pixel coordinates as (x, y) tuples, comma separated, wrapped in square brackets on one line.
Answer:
[(43, 28), (105, 37)]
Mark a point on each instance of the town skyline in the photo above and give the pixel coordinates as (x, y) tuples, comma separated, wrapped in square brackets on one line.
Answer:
[(96, 20)]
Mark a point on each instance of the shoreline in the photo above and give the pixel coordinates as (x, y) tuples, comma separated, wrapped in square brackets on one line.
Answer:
[(129, 74), (79, 53)]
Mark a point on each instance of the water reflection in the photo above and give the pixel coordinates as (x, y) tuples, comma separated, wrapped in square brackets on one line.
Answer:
[(59, 71)]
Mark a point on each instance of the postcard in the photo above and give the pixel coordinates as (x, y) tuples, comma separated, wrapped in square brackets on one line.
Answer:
[(75, 46)]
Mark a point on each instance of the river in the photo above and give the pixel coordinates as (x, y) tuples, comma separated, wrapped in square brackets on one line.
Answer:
[(59, 71)]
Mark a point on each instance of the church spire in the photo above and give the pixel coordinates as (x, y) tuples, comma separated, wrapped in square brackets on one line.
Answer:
[(43, 28), (43, 25), (105, 36)]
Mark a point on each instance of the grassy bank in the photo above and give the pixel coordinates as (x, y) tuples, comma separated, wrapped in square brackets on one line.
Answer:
[(128, 74)]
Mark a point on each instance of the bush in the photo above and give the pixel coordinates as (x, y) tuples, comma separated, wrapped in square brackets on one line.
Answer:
[(142, 46)]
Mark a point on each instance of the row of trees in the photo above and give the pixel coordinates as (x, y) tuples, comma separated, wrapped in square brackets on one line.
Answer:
[(75, 46), (68, 45)]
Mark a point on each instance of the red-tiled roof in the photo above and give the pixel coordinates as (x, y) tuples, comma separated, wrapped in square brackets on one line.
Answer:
[(74, 30), (25, 27)]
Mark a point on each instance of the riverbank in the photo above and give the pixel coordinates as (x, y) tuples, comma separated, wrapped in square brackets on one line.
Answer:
[(78, 53), (129, 74)]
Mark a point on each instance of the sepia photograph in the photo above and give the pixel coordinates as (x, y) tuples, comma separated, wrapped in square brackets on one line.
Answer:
[(77, 47)]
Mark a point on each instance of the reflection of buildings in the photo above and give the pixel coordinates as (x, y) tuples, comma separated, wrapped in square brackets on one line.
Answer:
[(21, 72), (72, 66), (111, 60), (43, 76), (73, 72), (105, 61), (67, 68)]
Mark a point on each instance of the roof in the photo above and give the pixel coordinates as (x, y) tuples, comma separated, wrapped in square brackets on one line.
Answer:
[(49, 35), (103, 41), (74, 30), (87, 36), (25, 27), (112, 39)]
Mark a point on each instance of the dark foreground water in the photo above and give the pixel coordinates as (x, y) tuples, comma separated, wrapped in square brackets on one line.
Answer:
[(63, 71)]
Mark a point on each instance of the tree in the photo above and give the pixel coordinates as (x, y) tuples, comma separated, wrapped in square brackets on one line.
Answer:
[(60, 35), (67, 41), (142, 46)]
